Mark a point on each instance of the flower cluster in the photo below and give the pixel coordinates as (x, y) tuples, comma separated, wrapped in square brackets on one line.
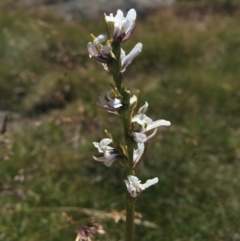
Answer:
[(106, 49), (120, 29)]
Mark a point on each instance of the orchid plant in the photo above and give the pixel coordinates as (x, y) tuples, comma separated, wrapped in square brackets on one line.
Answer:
[(107, 50)]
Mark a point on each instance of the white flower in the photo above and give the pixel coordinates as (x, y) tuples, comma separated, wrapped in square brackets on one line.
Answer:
[(142, 123), (99, 52), (122, 26), (109, 153), (135, 187), (127, 59), (109, 102)]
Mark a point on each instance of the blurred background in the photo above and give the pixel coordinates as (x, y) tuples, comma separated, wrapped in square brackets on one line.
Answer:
[(188, 72)]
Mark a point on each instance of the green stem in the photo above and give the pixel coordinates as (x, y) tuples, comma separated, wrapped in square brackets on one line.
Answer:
[(117, 77), (130, 210), (126, 112), (130, 201)]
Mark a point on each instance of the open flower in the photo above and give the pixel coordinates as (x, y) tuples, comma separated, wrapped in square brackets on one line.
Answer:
[(99, 52), (142, 123), (127, 59), (109, 153), (109, 102), (135, 187), (120, 28)]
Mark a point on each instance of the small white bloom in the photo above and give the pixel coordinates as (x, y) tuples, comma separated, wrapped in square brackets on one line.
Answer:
[(127, 59), (109, 153), (109, 102), (135, 187), (142, 123), (123, 26), (99, 52), (103, 144)]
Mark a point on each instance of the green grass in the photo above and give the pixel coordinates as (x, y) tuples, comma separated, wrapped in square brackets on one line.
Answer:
[(189, 73)]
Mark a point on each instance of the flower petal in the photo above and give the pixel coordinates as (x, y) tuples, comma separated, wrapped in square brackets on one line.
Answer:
[(133, 99), (157, 123), (100, 39), (150, 182), (137, 154), (115, 103), (142, 120), (109, 160), (129, 58), (139, 137), (131, 14), (144, 108), (103, 145)]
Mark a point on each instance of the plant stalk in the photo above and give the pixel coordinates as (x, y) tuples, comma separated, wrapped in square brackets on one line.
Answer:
[(130, 201), (130, 210)]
